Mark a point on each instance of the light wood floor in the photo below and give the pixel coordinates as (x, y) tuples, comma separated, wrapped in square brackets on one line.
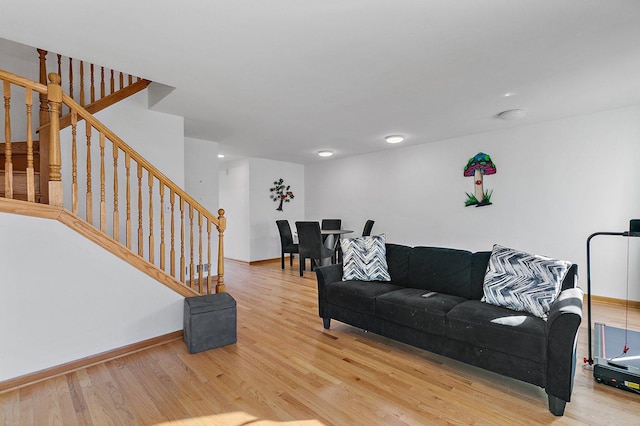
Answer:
[(287, 369)]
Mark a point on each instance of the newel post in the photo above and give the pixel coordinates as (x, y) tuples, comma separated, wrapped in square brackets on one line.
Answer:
[(222, 225), (54, 98)]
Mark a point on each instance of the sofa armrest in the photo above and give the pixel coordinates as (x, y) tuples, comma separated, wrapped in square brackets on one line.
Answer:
[(563, 323), (571, 278), (326, 275)]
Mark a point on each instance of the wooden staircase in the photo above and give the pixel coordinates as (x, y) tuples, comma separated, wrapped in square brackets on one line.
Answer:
[(157, 226)]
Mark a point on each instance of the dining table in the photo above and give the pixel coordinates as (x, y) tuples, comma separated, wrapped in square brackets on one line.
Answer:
[(333, 237)]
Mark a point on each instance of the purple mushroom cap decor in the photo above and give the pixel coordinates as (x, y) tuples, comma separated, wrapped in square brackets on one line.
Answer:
[(478, 166)]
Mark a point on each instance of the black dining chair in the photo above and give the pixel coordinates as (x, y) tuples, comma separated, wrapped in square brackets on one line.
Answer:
[(368, 226), (286, 241), (333, 224), (310, 245)]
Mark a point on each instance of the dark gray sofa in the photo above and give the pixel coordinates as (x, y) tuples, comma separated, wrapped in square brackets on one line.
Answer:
[(454, 322)]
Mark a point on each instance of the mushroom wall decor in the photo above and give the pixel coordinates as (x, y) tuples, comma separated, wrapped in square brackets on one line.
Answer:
[(281, 193), (478, 166)]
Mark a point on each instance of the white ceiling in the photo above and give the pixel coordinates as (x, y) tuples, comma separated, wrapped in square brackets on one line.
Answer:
[(282, 79)]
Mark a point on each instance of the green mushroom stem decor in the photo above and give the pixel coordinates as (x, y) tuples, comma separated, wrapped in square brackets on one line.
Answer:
[(478, 166), (281, 193)]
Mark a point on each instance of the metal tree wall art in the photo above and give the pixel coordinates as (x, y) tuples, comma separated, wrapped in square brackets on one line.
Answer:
[(477, 167), (281, 193)]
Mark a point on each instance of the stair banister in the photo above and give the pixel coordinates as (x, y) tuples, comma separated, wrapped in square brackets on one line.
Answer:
[(55, 98)]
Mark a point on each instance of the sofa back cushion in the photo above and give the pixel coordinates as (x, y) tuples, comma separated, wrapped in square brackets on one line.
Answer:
[(443, 270), (398, 263), (479, 263), (448, 271)]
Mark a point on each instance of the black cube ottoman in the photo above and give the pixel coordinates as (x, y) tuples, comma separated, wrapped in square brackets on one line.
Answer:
[(209, 321)]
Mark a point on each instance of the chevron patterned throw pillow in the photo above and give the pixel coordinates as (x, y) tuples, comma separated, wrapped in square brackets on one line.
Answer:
[(364, 259), (523, 281)]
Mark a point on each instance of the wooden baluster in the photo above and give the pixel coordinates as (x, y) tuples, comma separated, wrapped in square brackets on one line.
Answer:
[(54, 91), (130, 79), (89, 195), (82, 83), (101, 82), (209, 286), (182, 263), (8, 162), (200, 264), (60, 66), (59, 56), (74, 163), (103, 205), (116, 214), (71, 78), (112, 84), (140, 232), (172, 251), (44, 107), (44, 136), (191, 265), (162, 246), (121, 80), (127, 166), (222, 225), (93, 85), (151, 239), (31, 188)]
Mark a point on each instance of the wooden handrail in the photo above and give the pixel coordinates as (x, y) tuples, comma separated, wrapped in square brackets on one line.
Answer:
[(194, 227), (23, 82)]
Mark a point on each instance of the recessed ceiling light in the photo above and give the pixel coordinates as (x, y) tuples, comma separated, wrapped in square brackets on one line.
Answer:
[(512, 114), (509, 94), (394, 138), (220, 155), (325, 153)]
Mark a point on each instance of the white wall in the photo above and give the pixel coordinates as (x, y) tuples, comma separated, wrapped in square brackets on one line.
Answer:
[(252, 234), (556, 183), (265, 239), (201, 172), (201, 182), (157, 136), (234, 196), (22, 60), (78, 300)]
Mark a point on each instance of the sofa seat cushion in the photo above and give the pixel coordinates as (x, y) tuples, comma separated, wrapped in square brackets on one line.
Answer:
[(493, 327), (407, 307), (358, 296)]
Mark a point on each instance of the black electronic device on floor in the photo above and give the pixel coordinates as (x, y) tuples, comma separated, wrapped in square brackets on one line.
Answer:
[(617, 351), (612, 365)]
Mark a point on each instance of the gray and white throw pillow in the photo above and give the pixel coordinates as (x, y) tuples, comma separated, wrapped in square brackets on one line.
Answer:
[(522, 281), (364, 259)]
